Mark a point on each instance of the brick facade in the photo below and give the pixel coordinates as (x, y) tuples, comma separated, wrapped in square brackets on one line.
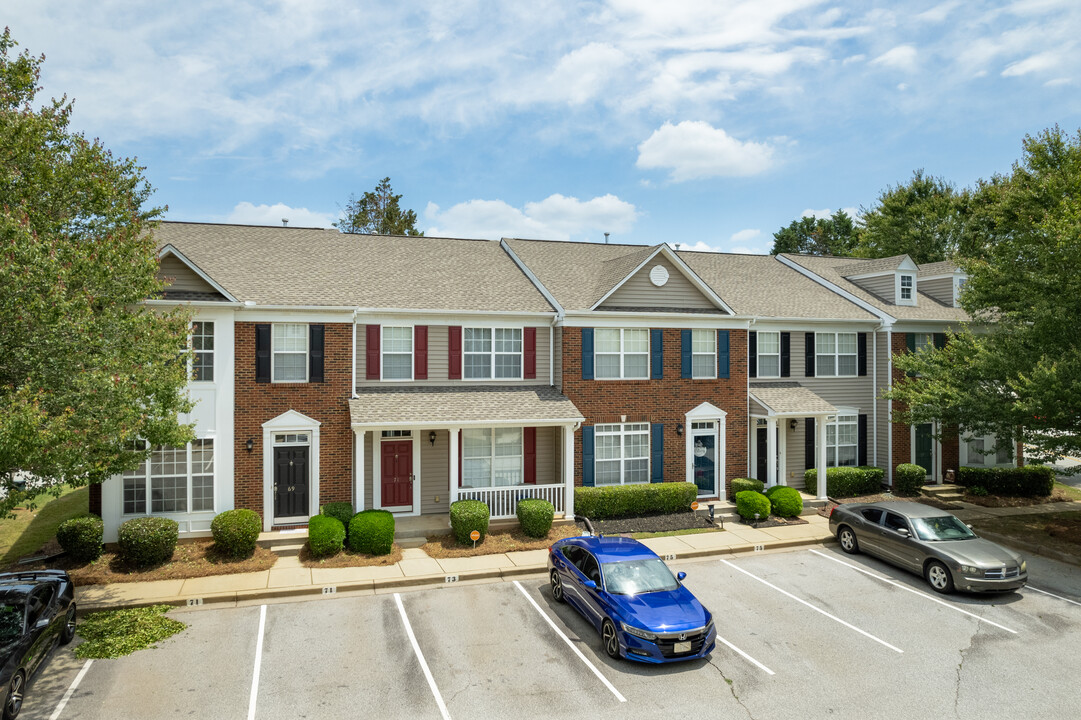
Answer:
[(327, 402), (663, 401)]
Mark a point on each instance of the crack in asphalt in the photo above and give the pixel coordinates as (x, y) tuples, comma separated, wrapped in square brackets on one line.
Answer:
[(731, 687), (960, 668)]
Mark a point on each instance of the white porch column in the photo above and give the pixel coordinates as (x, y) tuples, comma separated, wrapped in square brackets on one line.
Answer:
[(568, 470), (454, 452), (358, 463), (771, 451), (820, 426)]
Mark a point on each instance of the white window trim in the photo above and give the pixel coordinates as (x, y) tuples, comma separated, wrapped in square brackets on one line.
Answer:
[(623, 353), (212, 353), (492, 354), (842, 412), (491, 457), (898, 287), (836, 355), (958, 285), (274, 353), (623, 433), (707, 412), (760, 354), (412, 351), (149, 500), (712, 355), (986, 461)]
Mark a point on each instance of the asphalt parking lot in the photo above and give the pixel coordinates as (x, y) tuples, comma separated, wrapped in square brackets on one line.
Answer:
[(805, 633)]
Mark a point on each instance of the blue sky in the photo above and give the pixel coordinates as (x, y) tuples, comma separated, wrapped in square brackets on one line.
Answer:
[(709, 123)]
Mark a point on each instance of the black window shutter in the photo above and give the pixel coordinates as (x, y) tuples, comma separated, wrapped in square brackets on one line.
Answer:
[(910, 341), (808, 443), (315, 353), (809, 354), (752, 354), (861, 354), (940, 340), (861, 447), (786, 354), (262, 353)]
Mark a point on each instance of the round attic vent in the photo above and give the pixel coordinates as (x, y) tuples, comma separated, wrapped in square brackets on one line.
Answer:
[(658, 275)]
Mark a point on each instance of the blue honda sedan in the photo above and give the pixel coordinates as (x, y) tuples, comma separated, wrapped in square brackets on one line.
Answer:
[(641, 610)]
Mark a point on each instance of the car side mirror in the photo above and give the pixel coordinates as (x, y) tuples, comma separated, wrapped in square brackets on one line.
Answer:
[(41, 624), (903, 532), (681, 576), (590, 585)]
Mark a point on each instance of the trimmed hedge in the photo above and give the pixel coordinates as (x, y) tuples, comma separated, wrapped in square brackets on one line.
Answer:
[(741, 484), (749, 502), (616, 501), (908, 479), (1028, 481), (147, 541), (341, 510), (846, 481), (535, 516), (467, 516), (236, 531), (372, 532), (81, 537), (325, 535), (785, 501)]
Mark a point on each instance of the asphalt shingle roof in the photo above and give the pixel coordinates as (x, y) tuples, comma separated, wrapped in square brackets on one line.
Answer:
[(946, 267), (863, 267), (460, 404), (789, 399)]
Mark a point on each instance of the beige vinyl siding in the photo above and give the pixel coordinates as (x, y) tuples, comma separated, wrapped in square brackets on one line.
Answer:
[(884, 286), (435, 473), (640, 292), (183, 277), (794, 455), (369, 491), (940, 289), (548, 455)]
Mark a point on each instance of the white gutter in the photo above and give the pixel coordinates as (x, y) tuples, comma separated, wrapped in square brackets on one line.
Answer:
[(157, 302), (889, 406), (353, 386), (431, 311), (551, 355)]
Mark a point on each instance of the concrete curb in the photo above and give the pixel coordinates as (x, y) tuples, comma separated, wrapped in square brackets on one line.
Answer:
[(315, 592)]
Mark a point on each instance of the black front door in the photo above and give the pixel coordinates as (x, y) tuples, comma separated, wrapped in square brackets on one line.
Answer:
[(290, 481), (762, 459)]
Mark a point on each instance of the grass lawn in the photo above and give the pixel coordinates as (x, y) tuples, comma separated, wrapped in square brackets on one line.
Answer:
[(1069, 491), (1060, 530), (33, 528)]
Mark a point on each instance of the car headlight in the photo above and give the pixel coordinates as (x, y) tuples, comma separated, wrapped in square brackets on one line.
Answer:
[(970, 570), (1024, 566), (638, 632)]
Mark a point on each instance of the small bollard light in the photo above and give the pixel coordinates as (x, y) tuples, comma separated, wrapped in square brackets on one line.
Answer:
[(756, 519), (711, 513)]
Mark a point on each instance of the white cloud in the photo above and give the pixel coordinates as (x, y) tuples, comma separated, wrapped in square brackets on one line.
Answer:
[(752, 250), (695, 149), (557, 217), (823, 213), (745, 235), (1035, 63), (699, 246), (902, 57), (246, 213)]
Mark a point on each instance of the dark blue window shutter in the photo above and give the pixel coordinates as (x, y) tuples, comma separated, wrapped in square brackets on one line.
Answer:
[(656, 452), (587, 456), (587, 360), (656, 354), (722, 353), (684, 354)]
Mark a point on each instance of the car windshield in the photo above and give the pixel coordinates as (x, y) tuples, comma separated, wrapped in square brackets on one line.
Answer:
[(943, 527), (11, 621), (631, 577)]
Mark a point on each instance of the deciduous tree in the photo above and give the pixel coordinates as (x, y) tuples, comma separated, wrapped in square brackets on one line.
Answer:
[(835, 235)]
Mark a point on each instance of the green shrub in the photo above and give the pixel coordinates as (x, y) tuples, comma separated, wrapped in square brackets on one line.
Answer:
[(535, 517), (1028, 481), (977, 491), (372, 532), (81, 537), (847, 481), (628, 500), (467, 516), (325, 535), (908, 479), (785, 501), (341, 510), (147, 541), (749, 502), (236, 531), (741, 484)]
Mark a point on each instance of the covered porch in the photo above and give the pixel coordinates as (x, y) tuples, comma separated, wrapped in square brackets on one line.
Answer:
[(774, 409), (417, 450)]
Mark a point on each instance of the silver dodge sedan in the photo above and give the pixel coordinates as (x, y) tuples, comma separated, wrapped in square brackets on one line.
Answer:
[(930, 542)]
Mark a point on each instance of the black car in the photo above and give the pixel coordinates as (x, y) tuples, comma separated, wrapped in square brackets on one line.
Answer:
[(37, 611)]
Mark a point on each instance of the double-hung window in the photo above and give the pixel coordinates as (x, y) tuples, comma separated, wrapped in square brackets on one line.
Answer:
[(622, 454), (202, 345), (397, 348), (769, 354), (290, 352), (492, 457), (842, 439), (492, 353), (979, 452), (174, 480), (836, 354), (621, 354), (906, 287), (703, 353)]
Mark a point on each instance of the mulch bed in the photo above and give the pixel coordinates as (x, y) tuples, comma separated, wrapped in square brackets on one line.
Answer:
[(1057, 495), (650, 523), (1059, 531), (774, 521), (495, 542), (348, 558)]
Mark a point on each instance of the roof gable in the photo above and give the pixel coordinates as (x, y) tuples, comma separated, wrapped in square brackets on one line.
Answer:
[(186, 281), (658, 279)]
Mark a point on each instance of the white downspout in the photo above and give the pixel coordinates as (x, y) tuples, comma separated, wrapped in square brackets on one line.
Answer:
[(874, 397), (353, 387), (889, 407)]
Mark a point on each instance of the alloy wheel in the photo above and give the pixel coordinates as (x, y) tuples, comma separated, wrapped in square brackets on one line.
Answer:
[(557, 586), (939, 577), (15, 697), (848, 540), (610, 639), (68, 633)]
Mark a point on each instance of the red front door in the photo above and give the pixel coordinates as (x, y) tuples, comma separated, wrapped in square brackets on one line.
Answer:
[(397, 471)]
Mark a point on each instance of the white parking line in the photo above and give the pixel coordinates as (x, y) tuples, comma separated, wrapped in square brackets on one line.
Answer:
[(71, 691), (567, 640), (258, 663), (816, 609), (932, 598), (420, 657), (1054, 595), (745, 656)]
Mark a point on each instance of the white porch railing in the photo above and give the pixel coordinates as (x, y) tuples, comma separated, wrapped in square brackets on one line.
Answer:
[(503, 501)]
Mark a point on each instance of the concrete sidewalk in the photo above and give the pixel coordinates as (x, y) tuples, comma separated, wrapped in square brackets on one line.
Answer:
[(288, 580)]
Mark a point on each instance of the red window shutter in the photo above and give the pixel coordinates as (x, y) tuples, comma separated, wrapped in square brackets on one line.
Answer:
[(460, 454), (454, 342), (530, 443), (530, 361), (372, 352), (420, 352)]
